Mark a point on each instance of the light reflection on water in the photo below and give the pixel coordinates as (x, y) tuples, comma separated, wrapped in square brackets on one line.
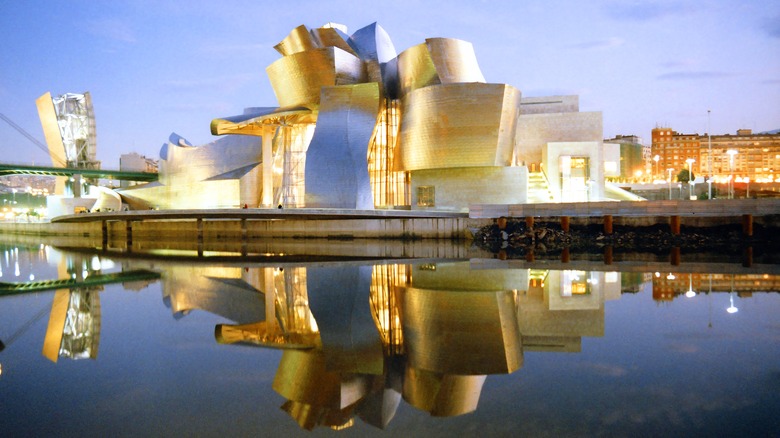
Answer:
[(428, 347)]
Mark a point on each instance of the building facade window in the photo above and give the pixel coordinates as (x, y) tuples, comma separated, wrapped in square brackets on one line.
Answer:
[(426, 196)]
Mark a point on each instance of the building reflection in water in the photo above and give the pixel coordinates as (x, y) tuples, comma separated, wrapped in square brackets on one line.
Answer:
[(358, 339), (73, 330)]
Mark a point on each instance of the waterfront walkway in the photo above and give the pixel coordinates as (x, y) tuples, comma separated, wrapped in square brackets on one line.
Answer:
[(258, 214)]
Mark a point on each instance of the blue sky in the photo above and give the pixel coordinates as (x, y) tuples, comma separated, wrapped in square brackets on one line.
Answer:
[(156, 67)]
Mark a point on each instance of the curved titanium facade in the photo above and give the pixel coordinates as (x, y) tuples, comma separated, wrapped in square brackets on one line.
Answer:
[(458, 125), (437, 61), (298, 40), (336, 161), (298, 78)]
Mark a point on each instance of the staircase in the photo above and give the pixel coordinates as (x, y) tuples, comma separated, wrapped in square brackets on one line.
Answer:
[(538, 189)]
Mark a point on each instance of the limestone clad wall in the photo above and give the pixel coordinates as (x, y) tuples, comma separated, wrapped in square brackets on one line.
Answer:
[(457, 188), (534, 131)]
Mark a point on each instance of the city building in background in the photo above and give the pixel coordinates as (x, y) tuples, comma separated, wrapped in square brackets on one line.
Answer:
[(742, 157), (634, 160), (135, 162)]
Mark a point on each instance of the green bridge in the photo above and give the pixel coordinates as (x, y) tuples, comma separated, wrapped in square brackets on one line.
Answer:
[(19, 169), (7, 289)]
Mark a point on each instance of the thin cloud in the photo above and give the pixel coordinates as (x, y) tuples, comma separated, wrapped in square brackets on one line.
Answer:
[(113, 29), (693, 75), (645, 11), (598, 44)]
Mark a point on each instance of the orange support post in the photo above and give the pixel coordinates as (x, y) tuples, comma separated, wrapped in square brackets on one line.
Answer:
[(674, 224)]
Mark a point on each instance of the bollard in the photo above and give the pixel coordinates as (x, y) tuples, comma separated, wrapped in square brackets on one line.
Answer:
[(129, 228), (565, 256), (565, 224), (607, 224), (104, 230), (747, 225), (674, 224), (608, 255), (675, 256), (747, 257)]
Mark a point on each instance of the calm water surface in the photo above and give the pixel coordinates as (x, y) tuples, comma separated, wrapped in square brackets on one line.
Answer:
[(191, 347)]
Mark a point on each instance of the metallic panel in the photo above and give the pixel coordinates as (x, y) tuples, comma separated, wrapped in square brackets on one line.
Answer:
[(455, 60), (437, 61), (256, 121), (374, 47), (461, 332), (215, 289), (57, 317), (298, 40), (51, 130), (207, 176), (303, 377), (332, 37), (416, 69), (339, 301), (442, 395), (372, 43), (458, 125), (297, 79), (336, 161)]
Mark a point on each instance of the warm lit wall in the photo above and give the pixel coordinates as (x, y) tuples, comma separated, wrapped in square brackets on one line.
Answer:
[(591, 149), (457, 188), (458, 125), (534, 131)]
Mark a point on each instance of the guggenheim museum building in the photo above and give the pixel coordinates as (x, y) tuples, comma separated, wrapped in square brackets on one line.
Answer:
[(359, 126)]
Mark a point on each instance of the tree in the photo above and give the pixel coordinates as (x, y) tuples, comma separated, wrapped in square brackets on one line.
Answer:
[(685, 176)]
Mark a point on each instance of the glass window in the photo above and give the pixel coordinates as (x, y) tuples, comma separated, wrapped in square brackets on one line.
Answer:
[(426, 196)]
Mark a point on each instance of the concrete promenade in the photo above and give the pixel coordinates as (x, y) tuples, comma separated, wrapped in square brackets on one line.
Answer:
[(243, 225), (247, 224)]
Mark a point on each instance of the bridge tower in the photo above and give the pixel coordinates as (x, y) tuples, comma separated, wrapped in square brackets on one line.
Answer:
[(68, 123)]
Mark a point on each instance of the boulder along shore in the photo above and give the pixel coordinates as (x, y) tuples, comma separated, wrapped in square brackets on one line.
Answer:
[(515, 239)]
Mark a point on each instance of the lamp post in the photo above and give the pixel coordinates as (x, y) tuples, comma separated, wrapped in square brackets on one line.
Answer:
[(690, 162), (670, 182), (732, 308), (731, 153), (690, 293), (656, 158), (709, 157)]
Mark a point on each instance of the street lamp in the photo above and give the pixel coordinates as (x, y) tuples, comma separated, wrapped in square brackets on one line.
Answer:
[(709, 157), (731, 153), (690, 162), (732, 308), (670, 182), (656, 158), (690, 293)]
